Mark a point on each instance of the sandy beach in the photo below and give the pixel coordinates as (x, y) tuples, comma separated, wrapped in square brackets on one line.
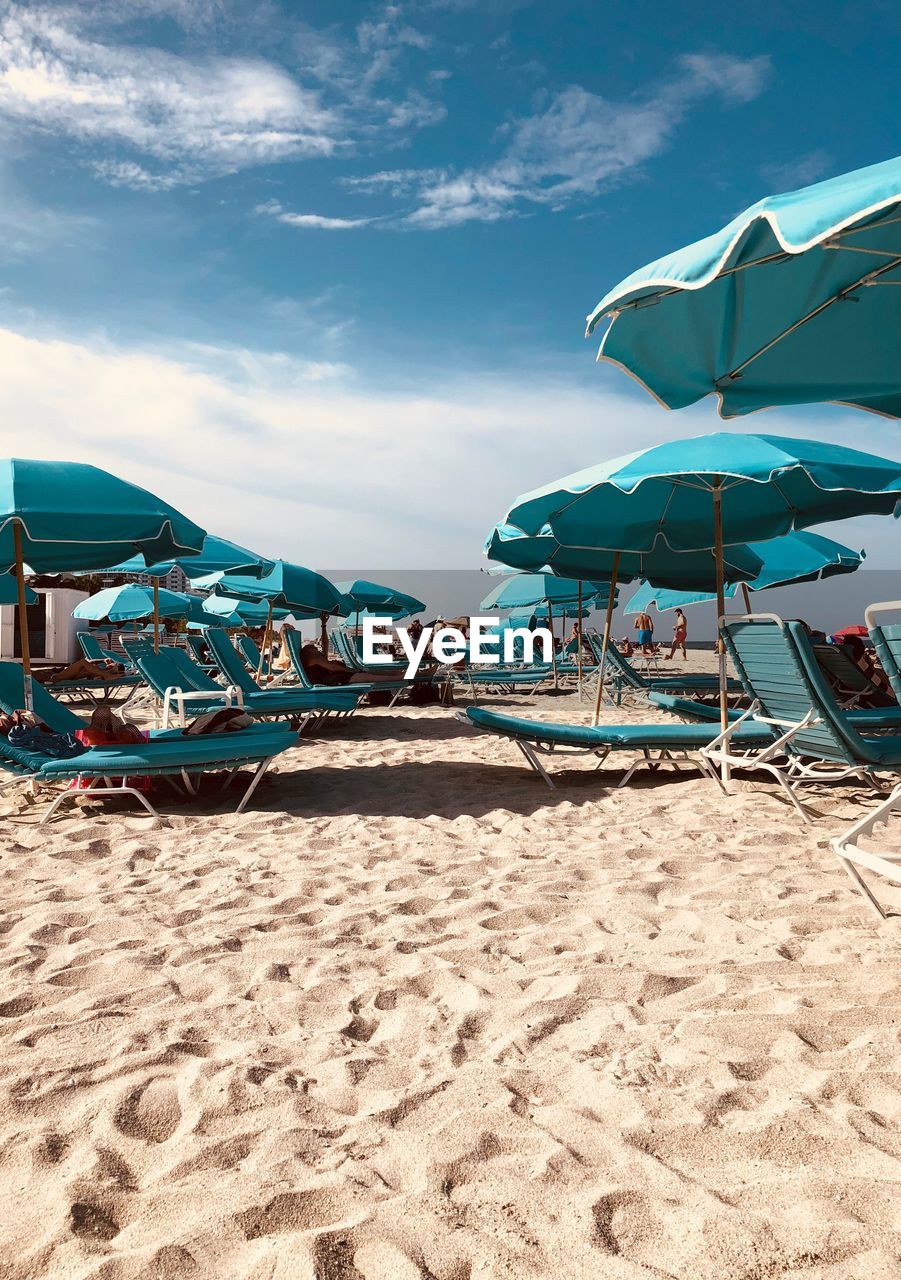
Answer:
[(417, 1017)]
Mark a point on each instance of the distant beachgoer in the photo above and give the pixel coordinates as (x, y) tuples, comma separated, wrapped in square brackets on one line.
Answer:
[(867, 662), (331, 671), (80, 669), (644, 625), (282, 660), (626, 647), (680, 632)]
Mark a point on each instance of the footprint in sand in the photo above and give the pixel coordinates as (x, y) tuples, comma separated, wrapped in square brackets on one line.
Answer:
[(150, 1112), (296, 1211), (92, 1221)]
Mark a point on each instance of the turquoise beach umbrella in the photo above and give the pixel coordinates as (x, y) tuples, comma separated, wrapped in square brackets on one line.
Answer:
[(58, 516), (380, 601), (664, 495), (797, 300), (228, 611), (798, 557), (288, 586), (129, 602), (522, 591), (73, 516), (215, 556), (661, 566)]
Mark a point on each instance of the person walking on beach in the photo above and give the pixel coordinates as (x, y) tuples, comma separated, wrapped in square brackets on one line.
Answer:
[(645, 629), (680, 631)]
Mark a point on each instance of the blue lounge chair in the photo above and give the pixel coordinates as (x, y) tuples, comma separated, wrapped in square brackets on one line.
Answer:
[(91, 648), (105, 770), (275, 702), (817, 740), (626, 681), (250, 652), (199, 652), (675, 745)]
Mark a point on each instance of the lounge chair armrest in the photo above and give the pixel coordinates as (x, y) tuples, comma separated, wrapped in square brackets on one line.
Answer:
[(178, 697)]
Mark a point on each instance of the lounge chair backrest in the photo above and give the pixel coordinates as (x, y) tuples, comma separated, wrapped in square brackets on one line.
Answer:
[(249, 651), (623, 668), (777, 666), (54, 714), (845, 674), (293, 639), (90, 646), (170, 668), (196, 644), (339, 640), (230, 663), (886, 639)]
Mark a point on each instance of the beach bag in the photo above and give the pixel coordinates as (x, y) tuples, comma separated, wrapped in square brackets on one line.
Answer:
[(224, 720)]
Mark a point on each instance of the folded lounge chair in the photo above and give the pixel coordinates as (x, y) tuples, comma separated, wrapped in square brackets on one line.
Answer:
[(658, 744), (816, 740), (105, 770)]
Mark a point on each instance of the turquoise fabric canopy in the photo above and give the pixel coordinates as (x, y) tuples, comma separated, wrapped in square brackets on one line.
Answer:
[(661, 566), (798, 557), (74, 516), (215, 556), (129, 602), (228, 611), (755, 313), (9, 591), (380, 601), (288, 586), (522, 591), (663, 496)]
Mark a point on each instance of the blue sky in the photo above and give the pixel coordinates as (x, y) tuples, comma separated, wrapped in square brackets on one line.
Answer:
[(318, 272)]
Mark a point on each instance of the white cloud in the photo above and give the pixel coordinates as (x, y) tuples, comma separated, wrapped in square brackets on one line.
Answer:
[(191, 118), (307, 462), (576, 146), (318, 221)]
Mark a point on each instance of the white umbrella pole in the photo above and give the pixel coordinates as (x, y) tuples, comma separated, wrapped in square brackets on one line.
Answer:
[(579, 641), (23, 618), (266, 634), (720, 610), (156, 615), (550, 623), (608, 622)]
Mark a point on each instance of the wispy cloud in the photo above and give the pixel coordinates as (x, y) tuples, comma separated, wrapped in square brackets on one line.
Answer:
[(187, 119), (577, 145), (273, 209), (150, 118)]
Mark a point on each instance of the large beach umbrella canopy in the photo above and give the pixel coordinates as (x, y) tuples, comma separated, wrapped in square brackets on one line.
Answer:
[(215, 556), (380, 601), (58, 516), (288, 586), (756, 313), (69, 515), (520, 591), (130, 601), (798, 557), (228, 611), (664, 495), (684, 569)]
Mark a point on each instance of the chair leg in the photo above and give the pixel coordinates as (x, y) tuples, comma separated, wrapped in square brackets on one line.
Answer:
[(254, 783), (536, 764), (846, 849)]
